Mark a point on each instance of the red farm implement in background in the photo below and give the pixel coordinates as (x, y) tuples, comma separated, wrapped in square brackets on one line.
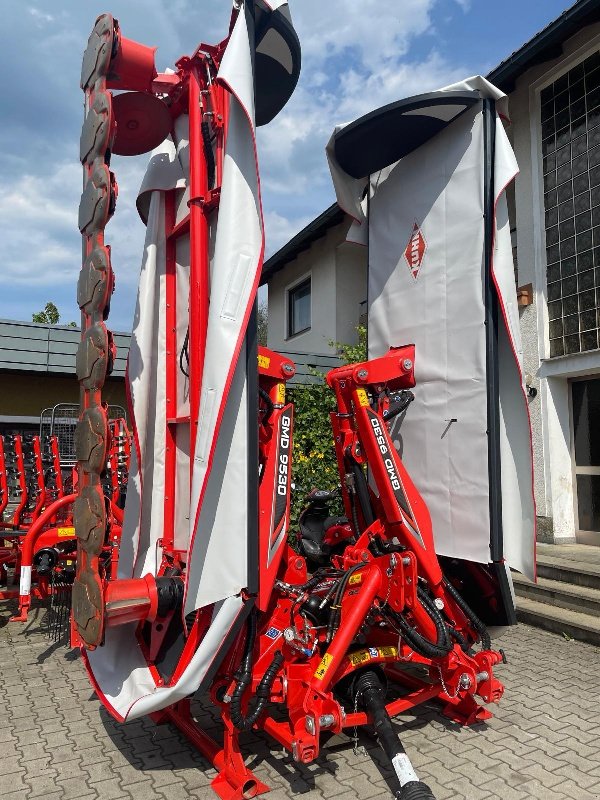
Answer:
[(203, 592), (32, 488), (37, 492)]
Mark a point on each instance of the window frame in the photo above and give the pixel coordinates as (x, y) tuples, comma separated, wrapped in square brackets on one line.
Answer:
[(289, 296)]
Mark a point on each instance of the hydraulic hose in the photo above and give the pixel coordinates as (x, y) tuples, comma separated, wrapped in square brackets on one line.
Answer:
[(268, 402), (369, 693), (208, 154), (362, 491), (243, 675), (355, 522), (462, 641), (243, 679), (398, 405), (185, 354), (334, 617), (479, 626), (417, 641), (443, 635)]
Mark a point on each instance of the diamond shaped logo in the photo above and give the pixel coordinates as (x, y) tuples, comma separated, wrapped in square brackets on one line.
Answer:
[(415, 251)]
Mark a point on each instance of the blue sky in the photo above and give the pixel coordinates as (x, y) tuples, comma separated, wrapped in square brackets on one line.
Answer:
[(357, 55)]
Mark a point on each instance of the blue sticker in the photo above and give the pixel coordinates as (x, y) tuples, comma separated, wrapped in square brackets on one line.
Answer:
[(273, 633), (373, 652)]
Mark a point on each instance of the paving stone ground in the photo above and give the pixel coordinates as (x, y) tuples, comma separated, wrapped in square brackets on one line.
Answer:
[(57, 743)]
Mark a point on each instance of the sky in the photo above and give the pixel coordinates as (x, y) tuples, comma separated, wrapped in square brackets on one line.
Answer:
[(357, 55)]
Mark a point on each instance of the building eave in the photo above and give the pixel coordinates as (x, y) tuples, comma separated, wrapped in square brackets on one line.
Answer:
[(546, 45), (331, 217), (32, 347)]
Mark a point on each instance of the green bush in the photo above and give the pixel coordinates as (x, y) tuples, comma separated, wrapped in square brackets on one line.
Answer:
[(314, 461)]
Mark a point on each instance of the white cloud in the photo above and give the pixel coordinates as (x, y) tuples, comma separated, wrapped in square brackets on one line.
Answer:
[(39, 226), (292, 147), (361, 93), (356, 56), (374, 29), (41, 18), (280, 229), (42, 245)]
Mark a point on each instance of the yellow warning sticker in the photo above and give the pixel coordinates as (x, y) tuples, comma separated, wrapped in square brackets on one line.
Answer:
[(264, 362), (323, 666), (65, 531), (360, 657), (363, 656), (363, 398), (280, 393), (354, 579)]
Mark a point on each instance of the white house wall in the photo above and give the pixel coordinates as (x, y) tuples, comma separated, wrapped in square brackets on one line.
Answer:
[(319, 261), (553, 469), (351, 281)]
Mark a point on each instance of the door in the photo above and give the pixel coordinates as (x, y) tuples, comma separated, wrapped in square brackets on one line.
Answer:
[(586, 441)]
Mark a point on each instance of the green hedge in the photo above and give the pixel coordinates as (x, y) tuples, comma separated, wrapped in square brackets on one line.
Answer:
[(314, 463)]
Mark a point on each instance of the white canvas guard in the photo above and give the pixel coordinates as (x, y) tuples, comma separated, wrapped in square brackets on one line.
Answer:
[(211, 509), (235, 273), (429, 206)]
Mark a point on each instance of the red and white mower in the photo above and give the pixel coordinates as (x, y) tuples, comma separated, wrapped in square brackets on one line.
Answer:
[(357, 622)]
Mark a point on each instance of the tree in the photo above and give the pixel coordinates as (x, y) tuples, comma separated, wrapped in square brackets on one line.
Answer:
[(262, 323), (49, 316)]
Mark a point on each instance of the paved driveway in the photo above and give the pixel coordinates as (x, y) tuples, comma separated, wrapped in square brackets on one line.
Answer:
[(57, 743)]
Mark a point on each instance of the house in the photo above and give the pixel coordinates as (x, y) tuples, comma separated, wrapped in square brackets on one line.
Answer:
[(317, 283)]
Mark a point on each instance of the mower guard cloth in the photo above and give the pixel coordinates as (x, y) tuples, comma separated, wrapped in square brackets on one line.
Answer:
[(425, 222), (123, 680), (211, 517), (277, 60), (350, 190), (237, 240), (387, 134)]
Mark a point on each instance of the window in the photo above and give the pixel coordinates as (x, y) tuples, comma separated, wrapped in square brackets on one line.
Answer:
[(570, 119), (299, 308)]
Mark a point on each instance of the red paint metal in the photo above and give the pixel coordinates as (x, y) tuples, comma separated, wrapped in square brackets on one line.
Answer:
[(199, 265), (28, 548)]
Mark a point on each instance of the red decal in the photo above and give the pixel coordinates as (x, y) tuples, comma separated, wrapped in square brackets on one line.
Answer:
[(415, 251)]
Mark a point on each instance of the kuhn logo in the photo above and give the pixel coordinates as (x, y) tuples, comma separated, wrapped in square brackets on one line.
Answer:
[(415, 251)]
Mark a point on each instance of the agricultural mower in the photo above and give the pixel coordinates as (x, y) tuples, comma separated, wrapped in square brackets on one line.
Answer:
[(203, 592), (37, 492), (31, 483)]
